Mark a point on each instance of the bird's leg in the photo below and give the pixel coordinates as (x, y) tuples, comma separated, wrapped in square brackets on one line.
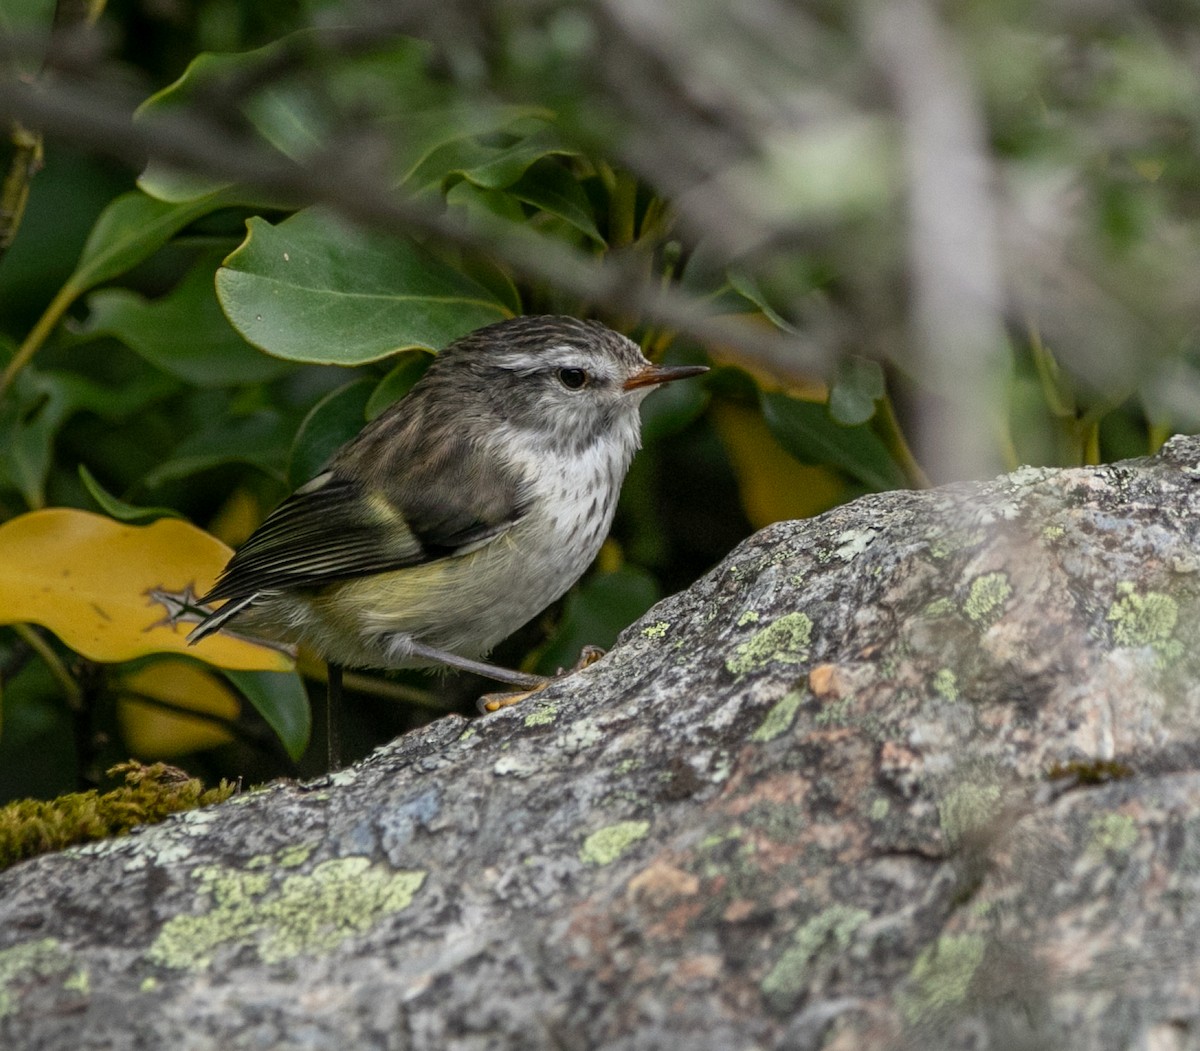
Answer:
[(333, 717), (488, 671)]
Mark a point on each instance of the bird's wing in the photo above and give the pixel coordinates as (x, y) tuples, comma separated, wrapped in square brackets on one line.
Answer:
[(336, 528)]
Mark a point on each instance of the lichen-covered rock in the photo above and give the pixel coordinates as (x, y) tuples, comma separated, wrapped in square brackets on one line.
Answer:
[(922, 772)]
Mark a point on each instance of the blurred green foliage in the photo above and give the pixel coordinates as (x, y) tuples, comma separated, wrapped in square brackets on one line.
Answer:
[(197, 343)]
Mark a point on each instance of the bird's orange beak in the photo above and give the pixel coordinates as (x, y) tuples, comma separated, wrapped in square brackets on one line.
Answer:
[(652, 375)]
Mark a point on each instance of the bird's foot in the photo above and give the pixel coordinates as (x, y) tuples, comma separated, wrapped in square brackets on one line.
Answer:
[(587, 657), (493, 702)]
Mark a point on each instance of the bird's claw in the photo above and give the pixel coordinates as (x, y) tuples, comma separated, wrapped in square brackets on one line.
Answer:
[(493, 702)]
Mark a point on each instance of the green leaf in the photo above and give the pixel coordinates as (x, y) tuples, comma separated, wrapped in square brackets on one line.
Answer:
[(261, 439), (399, 381), (130, 230), (119, 509), (746, 287), (493, 204), (40, 403), (596, 612), (183, 333), (282, 701), (807, 431), (21, 20), (332, 422), (316, 289), (549, 186), (858, 386), (671, 409)]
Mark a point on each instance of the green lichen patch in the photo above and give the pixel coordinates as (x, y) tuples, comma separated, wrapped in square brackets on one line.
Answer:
[(784, 641), (543, 714), (1147, 619), (290, 857), (1111, 832), (28, 962), (986, 598), (30, 827), (283, 916), (945, 684), (749, 617), (826, 935), (779, 719), (605, 845), (966, 808), (657, 630), (941, 977), (939, 607)]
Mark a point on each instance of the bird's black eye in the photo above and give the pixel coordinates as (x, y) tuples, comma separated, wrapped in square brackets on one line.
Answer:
[(572, 379)]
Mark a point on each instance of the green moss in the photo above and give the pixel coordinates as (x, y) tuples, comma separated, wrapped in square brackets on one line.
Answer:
[(605, 845), (779, 718), (1145, 620), (784, 641), (987, 597), (657, 630), (1112, 832), (828, 933), (25, 961), (941, 977), (1090, 771), (945, 683), (30, 827), (284, 916)]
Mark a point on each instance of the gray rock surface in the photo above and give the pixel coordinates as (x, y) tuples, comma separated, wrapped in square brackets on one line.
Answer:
[(921, 772)]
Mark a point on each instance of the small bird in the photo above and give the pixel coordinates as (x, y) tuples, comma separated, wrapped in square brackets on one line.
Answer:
[(460, 512)]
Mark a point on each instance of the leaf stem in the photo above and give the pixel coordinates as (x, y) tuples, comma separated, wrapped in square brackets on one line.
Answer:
[(38, 334), (897, 445), (54, 663)]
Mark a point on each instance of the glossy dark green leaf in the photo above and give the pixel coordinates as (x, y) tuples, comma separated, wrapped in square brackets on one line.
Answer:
[(807, 431), (119, 509), (333, 421), (184, 332), (316, 289), (128, 231), (280, 698), (858, 386), (409, 368)]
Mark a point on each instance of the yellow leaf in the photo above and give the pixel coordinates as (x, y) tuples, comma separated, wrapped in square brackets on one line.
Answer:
[(146, 697), (773, 485), (88, 579)]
